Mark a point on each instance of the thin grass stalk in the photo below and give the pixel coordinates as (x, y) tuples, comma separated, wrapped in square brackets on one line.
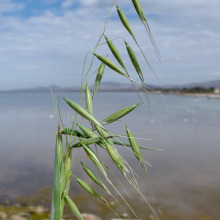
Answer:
[(115, 141)]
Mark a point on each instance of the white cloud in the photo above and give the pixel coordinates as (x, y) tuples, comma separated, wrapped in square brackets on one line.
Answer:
[(9, 6), (50, 48), (67, 4), (89, 2), (49, 2)]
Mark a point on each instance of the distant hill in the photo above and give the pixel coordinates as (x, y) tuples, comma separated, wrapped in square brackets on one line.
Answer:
[(119, 86), (114, 86), (204, 85), (54, 88)]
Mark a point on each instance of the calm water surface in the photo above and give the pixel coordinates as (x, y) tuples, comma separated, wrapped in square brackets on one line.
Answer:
[(185, 176)]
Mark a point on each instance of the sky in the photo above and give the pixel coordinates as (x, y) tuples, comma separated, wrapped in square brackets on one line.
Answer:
[(44, 42)]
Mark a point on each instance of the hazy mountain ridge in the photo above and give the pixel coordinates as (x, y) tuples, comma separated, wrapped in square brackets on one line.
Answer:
[(204, 85), (114, 86)]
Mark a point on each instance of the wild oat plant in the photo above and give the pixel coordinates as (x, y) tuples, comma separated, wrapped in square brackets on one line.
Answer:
[(86, 138)]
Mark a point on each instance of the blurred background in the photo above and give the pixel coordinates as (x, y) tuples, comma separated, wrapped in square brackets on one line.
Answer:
[(43, 44)]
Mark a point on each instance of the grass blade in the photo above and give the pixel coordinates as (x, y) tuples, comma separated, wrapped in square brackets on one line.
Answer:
[(56, 198)]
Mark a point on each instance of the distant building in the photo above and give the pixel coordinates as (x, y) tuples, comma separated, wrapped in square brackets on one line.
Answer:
[(217, 91)]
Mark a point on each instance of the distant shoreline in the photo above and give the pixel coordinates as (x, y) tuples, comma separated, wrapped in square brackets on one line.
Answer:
[(205, 95)]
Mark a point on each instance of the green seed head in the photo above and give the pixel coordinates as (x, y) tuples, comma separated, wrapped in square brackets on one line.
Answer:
[(115, 52), (88, 188), (73, 208), (138, 7), (125, 21), (115, 156), (87, 131), (110, 64), (89, 105), (134, 145), (134, 61), (81, 111), (95, 160), (93, 176), (99, 75), (119, 114)]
